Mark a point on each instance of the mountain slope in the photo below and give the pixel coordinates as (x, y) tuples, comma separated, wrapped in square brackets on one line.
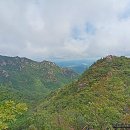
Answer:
[(31, 80), (98, 99)]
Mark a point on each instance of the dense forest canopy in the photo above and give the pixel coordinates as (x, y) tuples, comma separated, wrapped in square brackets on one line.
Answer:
[(28, 81), (98, 99)]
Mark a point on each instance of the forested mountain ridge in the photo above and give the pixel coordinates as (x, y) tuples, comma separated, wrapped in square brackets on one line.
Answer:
[(100, 98), (30, 79)]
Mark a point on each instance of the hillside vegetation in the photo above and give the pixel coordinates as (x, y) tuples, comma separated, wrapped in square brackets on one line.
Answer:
[(100, 98), (24, 80), (31, 80)]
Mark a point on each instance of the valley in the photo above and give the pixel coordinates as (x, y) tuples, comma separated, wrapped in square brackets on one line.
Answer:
[(60, 99), (78, 66), (26, 81), (99, 99)]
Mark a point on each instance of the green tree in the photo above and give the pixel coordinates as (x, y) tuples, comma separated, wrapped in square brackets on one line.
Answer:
[(9, 112)]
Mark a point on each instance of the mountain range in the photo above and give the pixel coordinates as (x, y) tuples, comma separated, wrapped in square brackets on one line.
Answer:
[(99, 99), (60, 99), (29, 80), (77, 65)]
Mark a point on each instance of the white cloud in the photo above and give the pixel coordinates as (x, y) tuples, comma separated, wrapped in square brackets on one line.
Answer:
[(34, 18), (44, 28)]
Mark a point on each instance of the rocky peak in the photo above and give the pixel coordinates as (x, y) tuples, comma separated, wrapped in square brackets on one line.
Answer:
[(109, 58), (48, 63)]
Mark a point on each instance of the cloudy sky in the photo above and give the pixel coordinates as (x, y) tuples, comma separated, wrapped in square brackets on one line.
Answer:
[(64, 29)]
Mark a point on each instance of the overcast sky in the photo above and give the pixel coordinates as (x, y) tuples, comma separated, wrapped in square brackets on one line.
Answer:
[(66, 29)]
